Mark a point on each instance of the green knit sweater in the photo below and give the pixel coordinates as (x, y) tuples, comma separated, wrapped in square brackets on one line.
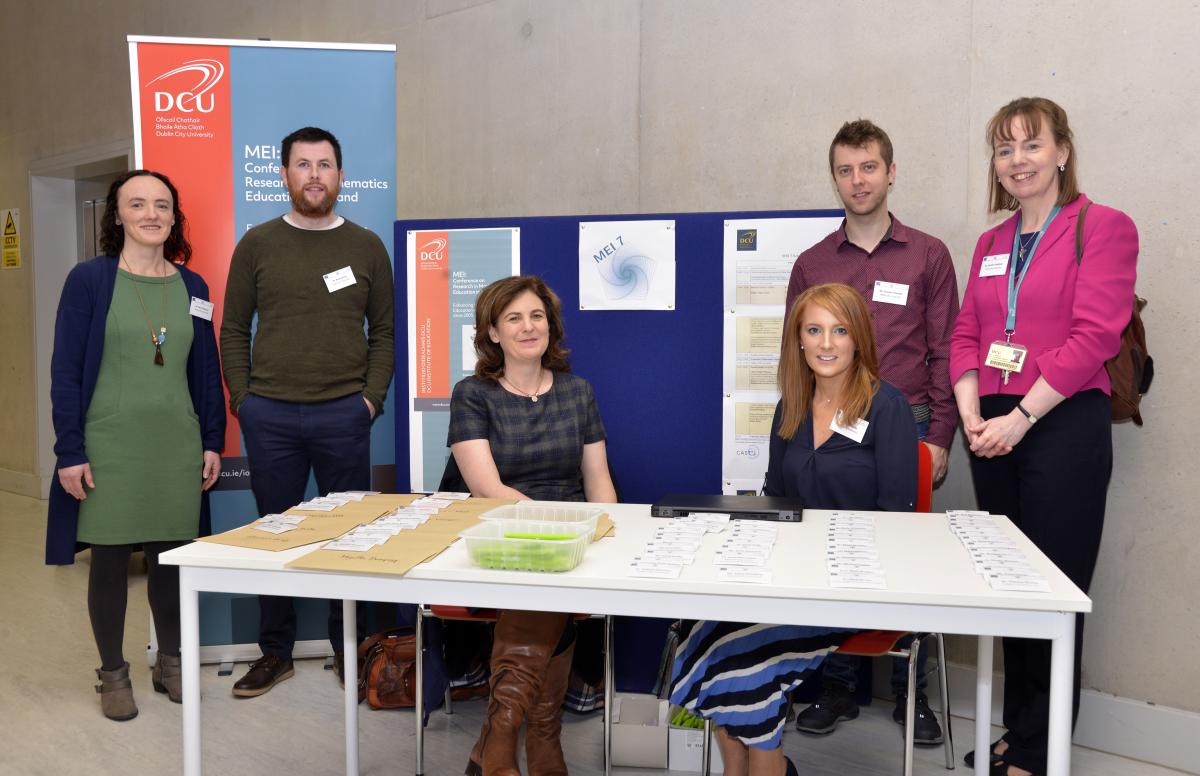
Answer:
[(309, 344)]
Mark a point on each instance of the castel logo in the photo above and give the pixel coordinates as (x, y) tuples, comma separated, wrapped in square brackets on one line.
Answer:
[(433, 249), (197, 98)]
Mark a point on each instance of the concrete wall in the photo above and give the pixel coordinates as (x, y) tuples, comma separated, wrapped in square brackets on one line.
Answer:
[(544, 107)]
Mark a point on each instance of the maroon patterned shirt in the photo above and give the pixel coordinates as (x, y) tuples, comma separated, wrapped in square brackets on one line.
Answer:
[(913, 339)]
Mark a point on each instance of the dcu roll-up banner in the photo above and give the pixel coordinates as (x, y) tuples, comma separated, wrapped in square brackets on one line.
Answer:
[(211, 114)]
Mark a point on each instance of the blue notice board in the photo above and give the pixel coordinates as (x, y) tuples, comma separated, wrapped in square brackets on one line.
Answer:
[(656, 374)]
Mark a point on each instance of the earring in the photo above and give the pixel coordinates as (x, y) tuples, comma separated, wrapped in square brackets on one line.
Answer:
[(1062, 168), (802, 347)]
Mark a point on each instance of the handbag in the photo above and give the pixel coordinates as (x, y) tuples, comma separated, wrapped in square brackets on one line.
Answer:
[(1132, 370), (387, 670)]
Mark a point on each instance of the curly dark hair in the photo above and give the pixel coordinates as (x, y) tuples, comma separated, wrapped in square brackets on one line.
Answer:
[(176, 249), (490, 304)]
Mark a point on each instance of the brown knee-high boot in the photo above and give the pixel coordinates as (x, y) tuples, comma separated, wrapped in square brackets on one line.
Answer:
[(521, 649), (543, 749)]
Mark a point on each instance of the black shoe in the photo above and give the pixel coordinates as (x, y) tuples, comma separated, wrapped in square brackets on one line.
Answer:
[(339, 665), (264, 673), (969, 757), (926, 729), (835, 704)]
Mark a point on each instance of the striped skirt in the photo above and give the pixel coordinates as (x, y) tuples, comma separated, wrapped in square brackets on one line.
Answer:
[(739, 675)]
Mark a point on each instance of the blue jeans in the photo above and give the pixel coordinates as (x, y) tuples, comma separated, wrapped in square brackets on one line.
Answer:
[(843, 669)]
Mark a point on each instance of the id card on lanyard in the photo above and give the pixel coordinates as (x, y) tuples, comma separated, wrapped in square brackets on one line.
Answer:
[(1008, 356)]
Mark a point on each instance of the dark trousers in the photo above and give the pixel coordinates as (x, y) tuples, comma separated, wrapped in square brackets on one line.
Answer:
[(1053, 486), (284, 442)]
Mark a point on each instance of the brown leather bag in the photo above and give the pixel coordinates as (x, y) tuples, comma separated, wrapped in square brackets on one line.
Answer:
[(387, 670), (1131, 370)]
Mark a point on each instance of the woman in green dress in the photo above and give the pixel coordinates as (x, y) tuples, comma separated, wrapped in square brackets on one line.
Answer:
[(139, 421)]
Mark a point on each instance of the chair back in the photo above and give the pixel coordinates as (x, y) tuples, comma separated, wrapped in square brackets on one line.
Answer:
[(924, 478), (452, 479)]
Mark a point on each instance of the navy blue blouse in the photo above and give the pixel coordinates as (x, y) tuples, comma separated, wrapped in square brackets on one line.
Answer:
[(879, 473)]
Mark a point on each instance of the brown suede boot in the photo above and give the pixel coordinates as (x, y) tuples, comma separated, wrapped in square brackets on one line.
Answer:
[(521, 649), (116, 694), (543, 721), (167, 676)]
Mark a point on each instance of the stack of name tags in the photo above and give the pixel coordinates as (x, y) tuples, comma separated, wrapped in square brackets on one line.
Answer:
[(373, 533), (996, 556)]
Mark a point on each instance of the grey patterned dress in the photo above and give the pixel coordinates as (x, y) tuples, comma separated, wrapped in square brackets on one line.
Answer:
[(537, 446)]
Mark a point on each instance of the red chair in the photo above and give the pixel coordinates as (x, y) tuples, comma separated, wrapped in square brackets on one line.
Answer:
[(877, 643), (924, 478)]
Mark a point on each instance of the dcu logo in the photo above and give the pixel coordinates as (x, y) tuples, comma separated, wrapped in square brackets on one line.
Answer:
[(433, 250), (747, 239), (198, 98)]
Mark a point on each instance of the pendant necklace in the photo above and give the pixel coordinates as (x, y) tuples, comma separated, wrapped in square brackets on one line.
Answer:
[(159, 337), (1026, 241), (533, 397)]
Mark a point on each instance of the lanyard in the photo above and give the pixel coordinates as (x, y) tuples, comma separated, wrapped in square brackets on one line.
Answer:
[(1014, 282)]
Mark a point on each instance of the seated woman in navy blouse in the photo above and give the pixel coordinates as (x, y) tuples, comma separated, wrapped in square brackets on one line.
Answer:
[(841, 439)]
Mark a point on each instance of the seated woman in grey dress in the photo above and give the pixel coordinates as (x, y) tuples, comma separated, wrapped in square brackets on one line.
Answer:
[(523, 427), (841, 439)]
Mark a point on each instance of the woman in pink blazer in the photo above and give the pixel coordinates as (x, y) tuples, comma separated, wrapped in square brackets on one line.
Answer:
[(1027, 362)]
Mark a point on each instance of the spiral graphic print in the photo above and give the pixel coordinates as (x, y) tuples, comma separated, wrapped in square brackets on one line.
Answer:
[(627, 265), (627, 274)]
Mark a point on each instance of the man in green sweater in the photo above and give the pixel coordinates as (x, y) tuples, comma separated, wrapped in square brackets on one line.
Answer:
[(308, 391)]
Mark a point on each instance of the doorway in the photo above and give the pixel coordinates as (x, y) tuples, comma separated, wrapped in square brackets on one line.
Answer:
[(66, 196)]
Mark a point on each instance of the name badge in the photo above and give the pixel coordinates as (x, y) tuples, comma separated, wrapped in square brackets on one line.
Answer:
[(201, 309), (996, 264), (1007, 356), (339, 279), (890, 293), (855, 432)]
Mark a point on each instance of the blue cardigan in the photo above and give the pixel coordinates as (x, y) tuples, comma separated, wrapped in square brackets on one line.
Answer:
[(75, 367)]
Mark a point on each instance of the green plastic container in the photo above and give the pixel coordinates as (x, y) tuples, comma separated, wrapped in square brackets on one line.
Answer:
[(489, 548)]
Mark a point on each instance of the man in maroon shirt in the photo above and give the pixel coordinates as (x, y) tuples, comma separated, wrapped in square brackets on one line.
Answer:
[(908, 280)]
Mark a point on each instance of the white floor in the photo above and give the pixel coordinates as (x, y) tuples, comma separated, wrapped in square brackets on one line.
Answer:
[(50, 721)]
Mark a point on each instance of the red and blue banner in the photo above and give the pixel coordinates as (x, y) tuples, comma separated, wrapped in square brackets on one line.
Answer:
[(211, 114)]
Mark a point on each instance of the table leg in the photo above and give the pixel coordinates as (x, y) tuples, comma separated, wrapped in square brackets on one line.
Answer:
[(983, 706), (609, 691), (419, 694), (910, 706), (1062, 673), (189, 650), (350, 667)]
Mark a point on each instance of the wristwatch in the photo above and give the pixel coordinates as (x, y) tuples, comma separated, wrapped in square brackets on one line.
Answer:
[(1028, 415)]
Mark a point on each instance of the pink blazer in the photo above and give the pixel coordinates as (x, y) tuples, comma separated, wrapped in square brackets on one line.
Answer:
[(1070, 317)]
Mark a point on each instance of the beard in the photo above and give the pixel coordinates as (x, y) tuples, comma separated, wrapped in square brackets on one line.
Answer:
[(305, 208)]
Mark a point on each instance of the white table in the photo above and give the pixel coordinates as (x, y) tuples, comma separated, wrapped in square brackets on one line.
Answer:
[(931, 587)]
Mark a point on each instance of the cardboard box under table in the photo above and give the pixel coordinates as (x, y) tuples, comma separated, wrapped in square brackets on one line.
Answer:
[(639, 733)]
